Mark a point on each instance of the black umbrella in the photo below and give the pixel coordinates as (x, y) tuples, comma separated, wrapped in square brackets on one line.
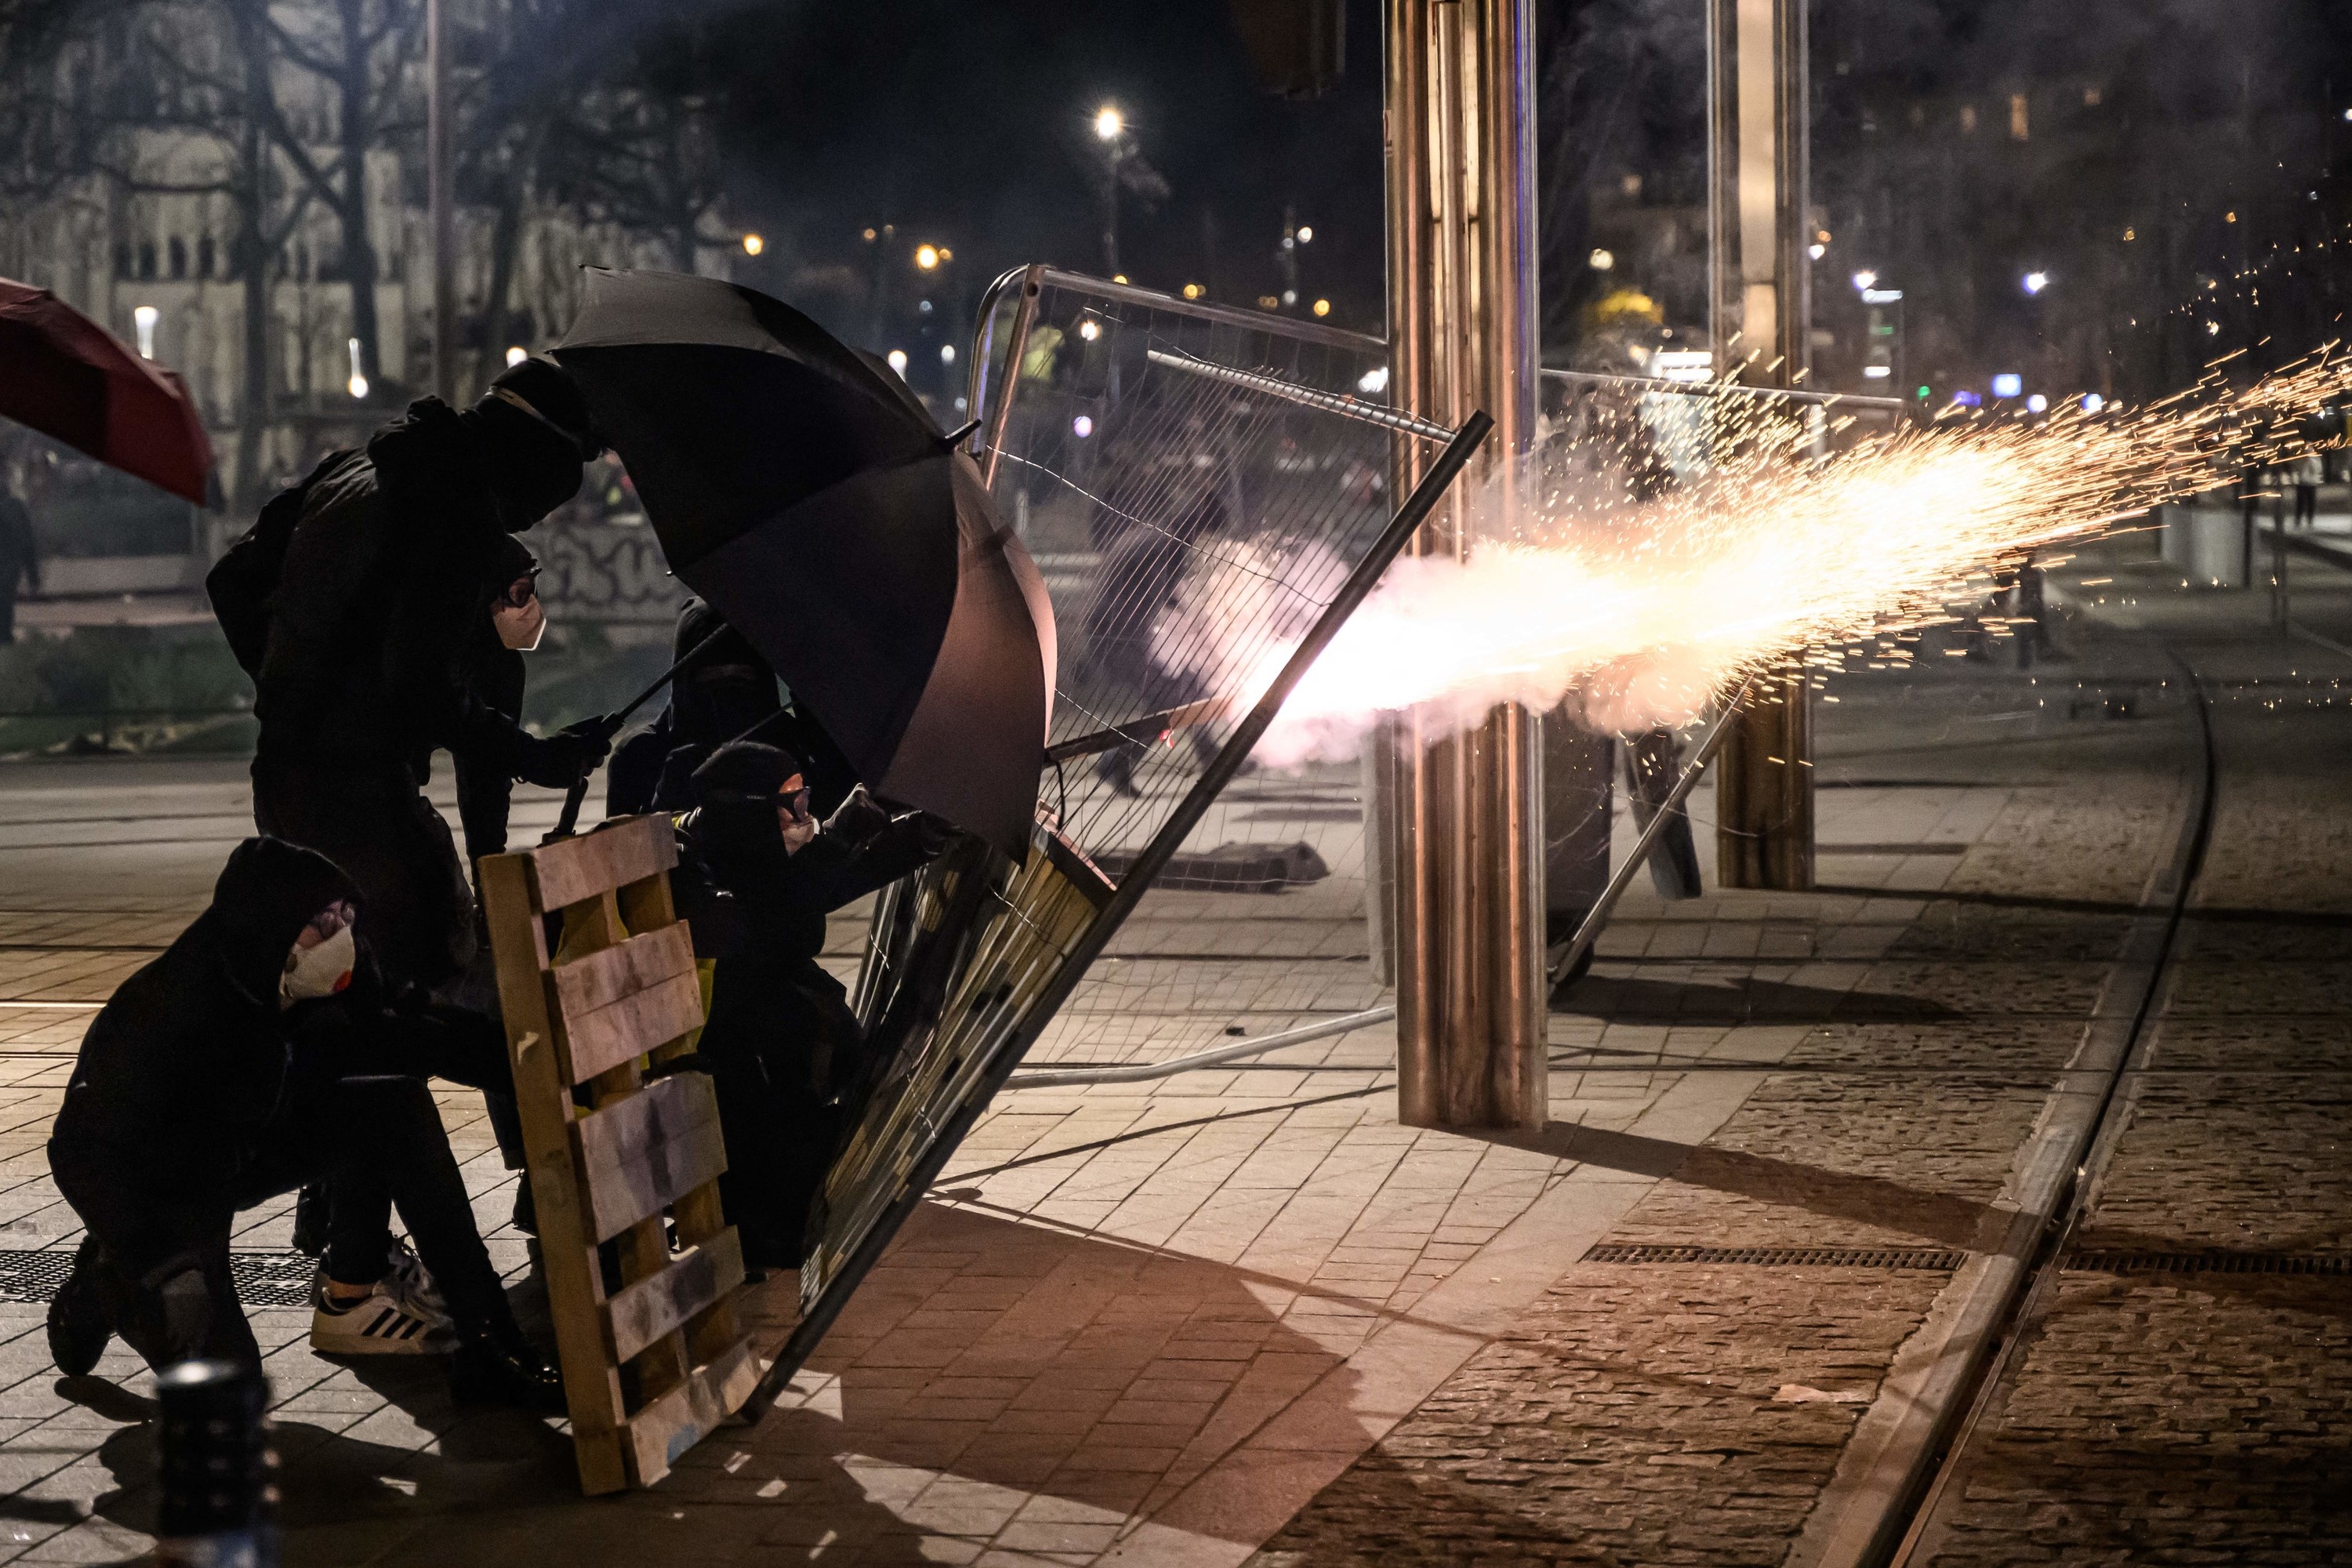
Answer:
[(818, 507)]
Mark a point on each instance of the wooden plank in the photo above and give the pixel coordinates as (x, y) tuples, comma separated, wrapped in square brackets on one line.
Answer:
[(597, 1041), (629, 850), (591, 1384), (659, 1435), (647, 1149), (613, 973), (696, 1281)]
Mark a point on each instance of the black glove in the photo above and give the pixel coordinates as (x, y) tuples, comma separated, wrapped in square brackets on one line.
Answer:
[(564, 758), (857, 819)]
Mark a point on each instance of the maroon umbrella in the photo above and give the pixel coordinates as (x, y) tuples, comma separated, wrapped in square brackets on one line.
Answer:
[(68, 377)]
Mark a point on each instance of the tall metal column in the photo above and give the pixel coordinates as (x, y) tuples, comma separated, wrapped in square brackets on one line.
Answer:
[(1462, 335), (439, 216), (1760, 306)]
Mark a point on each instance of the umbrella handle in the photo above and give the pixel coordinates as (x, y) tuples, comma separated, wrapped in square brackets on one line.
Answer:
[(567, 825)]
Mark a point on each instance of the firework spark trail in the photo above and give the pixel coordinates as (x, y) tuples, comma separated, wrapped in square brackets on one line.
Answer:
[(1644, 613)]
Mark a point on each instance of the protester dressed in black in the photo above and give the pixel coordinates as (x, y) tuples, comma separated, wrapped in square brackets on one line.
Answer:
[(385, 565), (727, 693), (213, 1081), (496, 674), (785, 1050)]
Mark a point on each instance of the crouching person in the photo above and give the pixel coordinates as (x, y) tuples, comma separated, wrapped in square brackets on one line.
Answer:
[(257, 1053), (786, 1053)]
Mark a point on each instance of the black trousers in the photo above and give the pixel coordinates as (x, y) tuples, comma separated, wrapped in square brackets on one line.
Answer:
[(160, 1263), (417, 911), (462, 1046)]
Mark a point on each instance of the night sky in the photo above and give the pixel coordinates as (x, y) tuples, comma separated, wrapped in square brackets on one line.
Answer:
[(969, 126)]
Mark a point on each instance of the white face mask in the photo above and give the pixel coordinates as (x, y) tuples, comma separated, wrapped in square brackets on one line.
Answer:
[(320, 971), (522, 630)]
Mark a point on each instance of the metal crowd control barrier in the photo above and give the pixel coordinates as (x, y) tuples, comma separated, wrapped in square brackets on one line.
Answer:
[(1206, 492)]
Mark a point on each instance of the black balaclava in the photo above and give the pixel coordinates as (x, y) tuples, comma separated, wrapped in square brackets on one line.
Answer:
[(532, 450), (724, 692), (266, 893), (736, 789)]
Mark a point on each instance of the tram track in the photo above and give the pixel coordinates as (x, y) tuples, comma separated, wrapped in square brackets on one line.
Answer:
[(1893, 1494)]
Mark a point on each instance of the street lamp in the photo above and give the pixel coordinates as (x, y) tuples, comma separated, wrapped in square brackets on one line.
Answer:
[(516, 355), (1110, 129), (358, 384), (1602, 260), (144, 319), (1865, 280), (927, 256), (2034, 282), (1306, 234), (897, 359), (753, 244)]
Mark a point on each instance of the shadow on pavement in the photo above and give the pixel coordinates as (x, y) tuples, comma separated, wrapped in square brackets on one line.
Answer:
[(1739, 1000), (1873, 1201)]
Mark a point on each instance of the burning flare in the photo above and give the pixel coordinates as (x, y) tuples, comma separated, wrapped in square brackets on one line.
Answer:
[(1645, 611)]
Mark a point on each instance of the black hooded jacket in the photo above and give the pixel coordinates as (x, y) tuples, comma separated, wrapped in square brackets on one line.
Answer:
[(193, 1055), (385, 583)]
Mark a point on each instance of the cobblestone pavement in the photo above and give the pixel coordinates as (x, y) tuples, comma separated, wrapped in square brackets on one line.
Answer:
[(2206, 1416), (1184, 1321)]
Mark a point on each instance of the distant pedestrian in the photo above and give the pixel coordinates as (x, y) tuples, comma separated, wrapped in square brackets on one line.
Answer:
[(20, 557), (2309, 472), (2033, 613)]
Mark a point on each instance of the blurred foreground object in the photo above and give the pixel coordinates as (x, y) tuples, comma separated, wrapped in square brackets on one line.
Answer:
[(215, 1469), (63, 374)]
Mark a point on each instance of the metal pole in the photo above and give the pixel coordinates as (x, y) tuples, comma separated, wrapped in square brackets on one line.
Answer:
[(1462, 333), (1759, 216), (445, 237)]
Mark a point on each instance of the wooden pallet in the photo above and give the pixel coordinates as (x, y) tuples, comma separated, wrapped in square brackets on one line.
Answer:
[(650, 1369)]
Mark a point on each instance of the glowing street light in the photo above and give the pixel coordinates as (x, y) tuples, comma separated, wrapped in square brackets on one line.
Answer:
[(1865, 280), (144, 319), (358, 384), (1193, 291), (2034, 282), (1306, 234), (927, 256), (1082, 426), (1322, 307), (1602, 260), (753, 244), (1109, 124), (1090, 328), (897, 358), (517, 354), (947, 353)]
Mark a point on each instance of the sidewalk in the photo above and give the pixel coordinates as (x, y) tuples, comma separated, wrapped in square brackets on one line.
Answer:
[(1142, 1322)]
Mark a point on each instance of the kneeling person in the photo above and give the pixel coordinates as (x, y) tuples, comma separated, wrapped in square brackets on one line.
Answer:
[(255, 1055)]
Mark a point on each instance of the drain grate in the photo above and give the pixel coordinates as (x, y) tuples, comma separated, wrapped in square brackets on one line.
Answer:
[(263, 1279), (1783, 1256), (2207, 1263)]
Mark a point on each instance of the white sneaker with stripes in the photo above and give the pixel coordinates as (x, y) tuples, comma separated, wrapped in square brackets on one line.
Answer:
[(387, 1320)]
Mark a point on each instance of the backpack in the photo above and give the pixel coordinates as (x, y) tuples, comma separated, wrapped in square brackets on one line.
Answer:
[(243, 581)]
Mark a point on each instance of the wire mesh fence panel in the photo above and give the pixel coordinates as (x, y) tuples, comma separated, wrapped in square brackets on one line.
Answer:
[(1197, 486)]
